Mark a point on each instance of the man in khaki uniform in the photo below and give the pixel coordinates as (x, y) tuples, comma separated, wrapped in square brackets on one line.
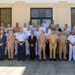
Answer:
[(17, 28), (53, 44), (42, 39), (10, 41), (2, 27), (52, 24), (62, 45), (58, 33), (66, 33)]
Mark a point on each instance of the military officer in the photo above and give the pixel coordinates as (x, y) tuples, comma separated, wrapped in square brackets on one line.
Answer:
[(10, 41), (62, 40), (71, 40), (53, 44), (42, 40), (37, 33), (33, 27), (66, 33), (21, 39), (58, 33), (52, 24), (16, 44), (27, 44), (17, 28), (46, 25), (42, 28), (25, 28), (2, 27), (6, 33), (8, 28)]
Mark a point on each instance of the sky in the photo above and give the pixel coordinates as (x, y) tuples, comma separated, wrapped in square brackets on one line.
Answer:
[(35, 1)]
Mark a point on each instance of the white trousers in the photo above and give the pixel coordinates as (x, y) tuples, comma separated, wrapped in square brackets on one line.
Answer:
[(36, 48), (71, 52), (27, 47), (16, 47)]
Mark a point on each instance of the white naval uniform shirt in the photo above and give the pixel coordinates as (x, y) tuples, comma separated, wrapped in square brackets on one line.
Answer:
[(49, 31), (16, 34), (37, 33), (21, 37), (46, 25), (7, 29), (72, 39), (24, 30), (47, 34), (42, 28), (28, 33)]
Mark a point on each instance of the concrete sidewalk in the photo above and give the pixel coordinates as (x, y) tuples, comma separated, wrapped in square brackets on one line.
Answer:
[(37, 67)]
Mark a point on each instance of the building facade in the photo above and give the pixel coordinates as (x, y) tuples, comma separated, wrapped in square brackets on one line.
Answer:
[(61, 12)]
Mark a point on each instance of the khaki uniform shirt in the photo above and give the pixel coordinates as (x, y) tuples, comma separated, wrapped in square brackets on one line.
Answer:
[(42, 38), (53, 38), (11, 38), (16, 29), (53, 25), (62, 39), (57, 32), (66, 33)]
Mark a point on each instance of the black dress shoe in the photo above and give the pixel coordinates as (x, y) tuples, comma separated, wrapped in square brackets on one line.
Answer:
[(39, 59), (60, 59), (54, 59), (2, 59), (19, 59), (23, 60), (8, 59), (44, 59), (65, 59), (12, 59), (50, 59)]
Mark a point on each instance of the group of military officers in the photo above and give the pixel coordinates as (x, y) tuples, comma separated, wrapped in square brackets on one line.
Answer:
[(44, 40)]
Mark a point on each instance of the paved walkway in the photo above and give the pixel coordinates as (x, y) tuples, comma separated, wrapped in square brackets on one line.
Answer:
[(37, 67)]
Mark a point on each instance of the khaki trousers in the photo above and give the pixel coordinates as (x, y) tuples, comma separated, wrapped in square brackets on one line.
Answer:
[(53, 51), (62, 49), (42, 48), (11, 51)]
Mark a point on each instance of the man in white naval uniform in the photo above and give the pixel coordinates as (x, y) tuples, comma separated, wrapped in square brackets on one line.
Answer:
[(8, 27), (48, 32), (37, 33), (33, 27), (6, 33), (25, 28), (71, 40), (46, 25), (16, 44), (42, 28), (27, 44)]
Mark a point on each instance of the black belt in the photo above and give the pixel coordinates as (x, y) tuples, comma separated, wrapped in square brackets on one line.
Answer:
[(21, 41)]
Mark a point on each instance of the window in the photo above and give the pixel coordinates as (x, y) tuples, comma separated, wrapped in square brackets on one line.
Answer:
[(72, 17), (6, 16), (39, 14)]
